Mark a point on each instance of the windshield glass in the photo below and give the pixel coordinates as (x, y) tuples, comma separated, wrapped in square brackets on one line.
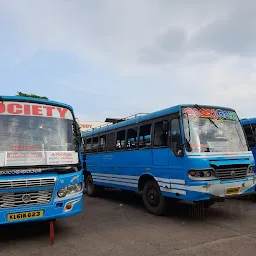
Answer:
[(224, 134), (36, 134)]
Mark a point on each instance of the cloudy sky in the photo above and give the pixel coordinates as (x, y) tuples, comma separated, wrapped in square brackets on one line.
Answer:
[(112, 58)]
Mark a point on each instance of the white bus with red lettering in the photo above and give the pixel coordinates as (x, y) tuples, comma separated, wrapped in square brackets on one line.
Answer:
[(41, 177)]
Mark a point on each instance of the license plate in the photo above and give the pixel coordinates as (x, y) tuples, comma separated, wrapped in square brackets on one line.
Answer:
[(25, 215), (231, 191)]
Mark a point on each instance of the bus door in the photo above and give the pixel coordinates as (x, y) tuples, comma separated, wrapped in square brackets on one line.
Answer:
[(167, 142)]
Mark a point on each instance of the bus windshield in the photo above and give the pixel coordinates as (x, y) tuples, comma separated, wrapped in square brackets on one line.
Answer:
[(36, 138), (213, 130)]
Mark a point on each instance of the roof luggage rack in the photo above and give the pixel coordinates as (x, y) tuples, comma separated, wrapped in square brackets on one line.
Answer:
[(112, 121)]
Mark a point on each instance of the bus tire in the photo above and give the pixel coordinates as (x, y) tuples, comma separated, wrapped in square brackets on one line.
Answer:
[(153, 199), (90, 186)]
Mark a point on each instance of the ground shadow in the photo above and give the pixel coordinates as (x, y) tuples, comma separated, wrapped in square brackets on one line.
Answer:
[(183, 210), (27, 231)]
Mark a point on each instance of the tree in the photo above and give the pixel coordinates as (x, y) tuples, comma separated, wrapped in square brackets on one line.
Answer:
[(31, 95)]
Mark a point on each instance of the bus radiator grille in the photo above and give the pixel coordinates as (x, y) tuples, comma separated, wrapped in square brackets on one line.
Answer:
[(12, 200), (27, 183), (233, 173)]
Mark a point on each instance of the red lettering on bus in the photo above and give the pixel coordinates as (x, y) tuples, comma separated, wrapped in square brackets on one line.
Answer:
[(14, 109), (32, 109), (62, 112), (49, 110), (37, 110), (26, 109), (2, 108)]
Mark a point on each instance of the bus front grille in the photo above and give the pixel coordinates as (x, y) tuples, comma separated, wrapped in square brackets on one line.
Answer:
[(27, 183), (30, 198), (232, 173)]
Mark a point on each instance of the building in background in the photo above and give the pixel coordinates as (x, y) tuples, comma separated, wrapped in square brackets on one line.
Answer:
[(87, 125)]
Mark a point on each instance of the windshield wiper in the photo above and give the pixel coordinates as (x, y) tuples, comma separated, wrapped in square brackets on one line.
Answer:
[(199, 108)]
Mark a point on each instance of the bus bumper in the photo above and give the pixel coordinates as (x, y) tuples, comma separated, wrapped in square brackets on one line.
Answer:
[(197, 191), (57, 209)]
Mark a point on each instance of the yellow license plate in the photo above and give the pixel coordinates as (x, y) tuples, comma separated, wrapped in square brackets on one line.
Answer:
[(25, 215), (231, 191)]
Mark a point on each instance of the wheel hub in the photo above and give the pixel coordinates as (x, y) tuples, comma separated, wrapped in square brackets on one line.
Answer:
[(153, 197)]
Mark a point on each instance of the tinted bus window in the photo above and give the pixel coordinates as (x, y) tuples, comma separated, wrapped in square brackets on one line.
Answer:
[(145, 136), (132, 135), (95, 144), (102, 143), (120, 140), (175, 136), (88, 145), (111, 141), (249, 135), (161, 134)]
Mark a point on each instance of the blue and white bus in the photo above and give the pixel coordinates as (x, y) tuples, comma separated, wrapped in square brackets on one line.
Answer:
[(41, 175), (185, 152), (250, 131)]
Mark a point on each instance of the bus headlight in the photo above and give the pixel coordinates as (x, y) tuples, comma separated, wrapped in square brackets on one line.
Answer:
[(70, 189), (250, 171), (62, 192), (201, 174)]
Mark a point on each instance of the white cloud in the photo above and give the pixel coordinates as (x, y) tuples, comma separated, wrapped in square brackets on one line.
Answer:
[(190, 52)]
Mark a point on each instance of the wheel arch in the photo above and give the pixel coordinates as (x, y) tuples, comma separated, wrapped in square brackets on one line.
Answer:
[(143, 179)]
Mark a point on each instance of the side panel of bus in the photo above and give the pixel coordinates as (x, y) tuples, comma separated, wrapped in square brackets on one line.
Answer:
[(130, 152)]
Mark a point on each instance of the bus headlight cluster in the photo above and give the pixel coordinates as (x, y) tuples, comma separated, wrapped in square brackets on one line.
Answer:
[(201, 174), (70, 189), (250, 170)]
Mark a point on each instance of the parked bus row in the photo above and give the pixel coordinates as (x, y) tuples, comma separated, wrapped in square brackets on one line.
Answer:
[(186, 152)]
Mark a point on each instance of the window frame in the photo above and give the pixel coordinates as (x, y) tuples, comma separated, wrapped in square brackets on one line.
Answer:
[(128, 127), (250, 127), (157, 120), (95, 150), (138, 125), (122, 129), (148, 122), (88, 150)]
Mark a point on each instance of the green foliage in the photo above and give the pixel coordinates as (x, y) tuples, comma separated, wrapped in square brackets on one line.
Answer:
[(31, 95)]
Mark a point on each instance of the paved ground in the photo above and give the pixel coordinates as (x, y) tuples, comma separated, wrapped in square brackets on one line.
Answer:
[(117, 224)]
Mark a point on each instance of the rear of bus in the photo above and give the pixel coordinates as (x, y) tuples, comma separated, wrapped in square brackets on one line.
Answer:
[(217, 157)]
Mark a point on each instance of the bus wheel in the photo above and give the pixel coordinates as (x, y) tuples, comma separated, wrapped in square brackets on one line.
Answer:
[(153, 199), (90, 186)]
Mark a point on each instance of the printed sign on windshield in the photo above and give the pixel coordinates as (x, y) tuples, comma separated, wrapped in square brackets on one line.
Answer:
[(217, 114), (34, 109)]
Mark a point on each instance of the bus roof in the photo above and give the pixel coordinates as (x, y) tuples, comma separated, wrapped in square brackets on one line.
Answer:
[(35, 100), (146, 117), (246, 121)]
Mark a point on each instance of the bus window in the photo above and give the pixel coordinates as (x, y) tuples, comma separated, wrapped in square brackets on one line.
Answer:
[(111, 141), (120, 140), (132, 137), (175, 136), (144, 136), (161, 134), (88, 145), (95, 144), (249, 135), (102, 143)]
